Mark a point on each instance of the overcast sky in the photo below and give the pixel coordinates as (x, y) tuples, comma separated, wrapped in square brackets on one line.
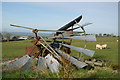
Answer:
[(53, 15)]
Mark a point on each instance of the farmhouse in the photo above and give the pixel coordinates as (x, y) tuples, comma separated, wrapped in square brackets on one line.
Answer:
[(23, 37)]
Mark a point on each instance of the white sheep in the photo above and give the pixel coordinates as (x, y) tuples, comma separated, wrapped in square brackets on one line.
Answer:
[(98, 46), (117, 40), (104, 46)]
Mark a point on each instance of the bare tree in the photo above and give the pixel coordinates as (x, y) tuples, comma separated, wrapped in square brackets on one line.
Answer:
[(15, 38), (1, 37), (8, 35), (100, 34)]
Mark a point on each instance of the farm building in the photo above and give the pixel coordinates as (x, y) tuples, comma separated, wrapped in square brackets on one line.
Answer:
[(23, 37)]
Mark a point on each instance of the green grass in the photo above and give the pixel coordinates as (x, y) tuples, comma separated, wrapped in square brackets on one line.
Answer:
[(110, 54), (14, 49), (17, 48)]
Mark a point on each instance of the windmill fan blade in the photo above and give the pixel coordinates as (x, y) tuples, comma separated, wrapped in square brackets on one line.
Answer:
[(31, 63), (52, 63), (18, 63), (41, 66), (65, 27), (27, 65), (82, 50), (87, 37), (71, 23), (74, 61)]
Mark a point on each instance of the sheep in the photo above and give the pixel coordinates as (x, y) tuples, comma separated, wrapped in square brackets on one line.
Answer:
[(117, 40), (98, 46), (104, 46)]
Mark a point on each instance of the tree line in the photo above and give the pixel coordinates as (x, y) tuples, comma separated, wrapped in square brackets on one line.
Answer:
[(7, 36), (105, 35)]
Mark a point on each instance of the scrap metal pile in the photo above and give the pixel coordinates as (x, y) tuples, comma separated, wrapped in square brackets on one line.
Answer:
[(51, 54)]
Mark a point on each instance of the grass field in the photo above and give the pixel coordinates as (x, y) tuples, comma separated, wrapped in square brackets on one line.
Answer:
[(110, 55)]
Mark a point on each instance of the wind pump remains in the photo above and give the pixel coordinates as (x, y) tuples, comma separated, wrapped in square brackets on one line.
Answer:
[(51, 54)]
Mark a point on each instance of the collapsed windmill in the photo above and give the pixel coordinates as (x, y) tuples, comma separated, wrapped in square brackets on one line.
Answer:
[(49, 54)]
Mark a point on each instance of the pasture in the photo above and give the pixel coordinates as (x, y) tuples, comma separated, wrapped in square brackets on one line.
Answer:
[(14, 49)]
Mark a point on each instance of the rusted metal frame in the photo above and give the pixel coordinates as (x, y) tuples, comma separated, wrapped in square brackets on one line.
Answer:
[(56, 57), (93, 63), (37, 38), (43, 51), (62, 41), (35, 31), (72, 32), (51, 50), (49, 46), (32, 50)]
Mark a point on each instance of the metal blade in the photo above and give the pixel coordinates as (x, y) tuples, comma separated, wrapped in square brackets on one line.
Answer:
[(52, 63), (42, 66), (9, 61), (70, 24), (74, 61), (82, 50), (30, 64), (87, 37), (27, 65), (65, 27), (18, 63)]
